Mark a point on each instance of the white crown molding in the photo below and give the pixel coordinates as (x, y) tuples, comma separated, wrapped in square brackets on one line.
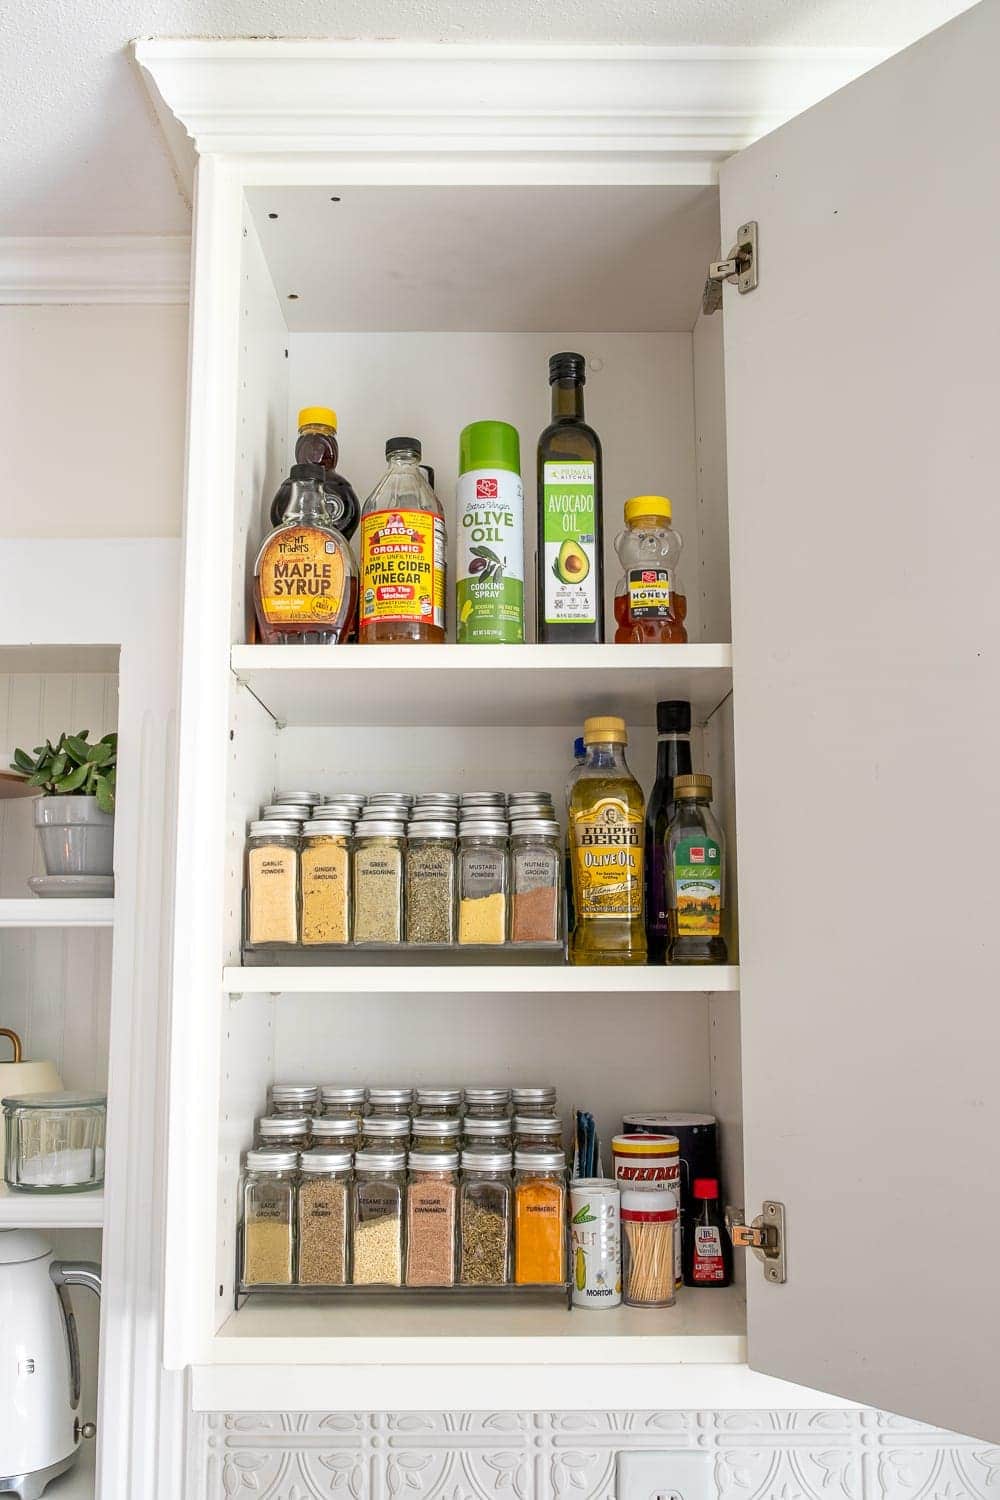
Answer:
[(296, 98), (95, 268)]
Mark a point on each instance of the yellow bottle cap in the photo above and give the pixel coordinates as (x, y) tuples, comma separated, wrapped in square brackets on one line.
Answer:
[(648, 505), (605, 730), (320, 416)]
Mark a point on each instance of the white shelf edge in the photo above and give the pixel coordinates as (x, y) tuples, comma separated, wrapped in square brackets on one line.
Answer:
[(33, 911), (529, 657), (499, 980), (51, 1210)]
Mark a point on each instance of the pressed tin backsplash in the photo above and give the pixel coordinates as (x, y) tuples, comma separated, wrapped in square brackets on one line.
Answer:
[(546, 1455)]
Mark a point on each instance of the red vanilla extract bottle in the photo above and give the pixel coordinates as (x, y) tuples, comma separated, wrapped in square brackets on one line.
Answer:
[(708, 1250)]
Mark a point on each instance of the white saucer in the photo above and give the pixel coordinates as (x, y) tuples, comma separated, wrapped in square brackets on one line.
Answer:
[(72, 885)]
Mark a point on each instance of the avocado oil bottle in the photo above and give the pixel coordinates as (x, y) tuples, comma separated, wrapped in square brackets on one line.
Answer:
[(570, 583)]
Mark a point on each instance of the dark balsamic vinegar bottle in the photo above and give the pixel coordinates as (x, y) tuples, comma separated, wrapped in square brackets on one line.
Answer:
[(673, 758), (569, 599)]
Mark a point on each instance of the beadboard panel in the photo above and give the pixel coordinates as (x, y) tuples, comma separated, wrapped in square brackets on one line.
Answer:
[(850, 1454)]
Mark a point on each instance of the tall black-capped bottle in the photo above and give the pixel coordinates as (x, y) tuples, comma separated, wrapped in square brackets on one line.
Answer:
[(570, 559), (673, 758)]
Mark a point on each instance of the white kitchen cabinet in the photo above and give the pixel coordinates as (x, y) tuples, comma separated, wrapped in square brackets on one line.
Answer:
[(407, 233)]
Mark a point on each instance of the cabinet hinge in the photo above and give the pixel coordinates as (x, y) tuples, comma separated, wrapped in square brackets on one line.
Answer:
[(765, 1236), (740, 266)]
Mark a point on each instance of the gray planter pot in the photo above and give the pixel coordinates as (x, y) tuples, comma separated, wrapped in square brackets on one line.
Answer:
[(77, 838)]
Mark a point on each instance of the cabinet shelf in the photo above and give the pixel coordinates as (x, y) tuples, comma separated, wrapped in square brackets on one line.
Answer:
[(51, 1210), (463, 686), (33, 911), (436, 979)]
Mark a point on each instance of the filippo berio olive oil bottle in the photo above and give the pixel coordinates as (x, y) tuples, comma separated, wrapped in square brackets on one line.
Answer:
[(570, 592)]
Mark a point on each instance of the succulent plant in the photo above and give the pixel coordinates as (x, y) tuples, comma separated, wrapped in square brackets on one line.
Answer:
[(73, 767)]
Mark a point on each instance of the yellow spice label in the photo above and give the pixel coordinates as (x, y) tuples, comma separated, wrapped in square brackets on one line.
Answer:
[(607, 847)]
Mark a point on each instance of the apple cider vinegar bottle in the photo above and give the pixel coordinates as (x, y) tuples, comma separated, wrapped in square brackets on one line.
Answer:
[(569, 600)]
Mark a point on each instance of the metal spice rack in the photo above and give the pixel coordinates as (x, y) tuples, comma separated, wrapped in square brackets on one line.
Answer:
[(512, 1291)]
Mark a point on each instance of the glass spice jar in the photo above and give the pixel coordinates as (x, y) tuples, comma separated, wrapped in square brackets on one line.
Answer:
[(332, 1134), (492, 1133), (338, 1099), (377, 1217), (482, 883), (324, 1214), (378, 882), (431, 1217), (391, 1132), (290, 1132), (325, 883), (267, 1219), (535, 1101), (538, 1130), (487, 1103), (272, 883), (430, 883), (536, 863), (390, 1101), (293, 1098), (540, 1199), (436, 1133), (485, 1217), (438, 1101)]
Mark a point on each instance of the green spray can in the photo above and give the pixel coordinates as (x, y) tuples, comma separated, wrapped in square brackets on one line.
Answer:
[(490, 549)]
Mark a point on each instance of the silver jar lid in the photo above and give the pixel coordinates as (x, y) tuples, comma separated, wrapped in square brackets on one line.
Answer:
[(439, 1094), (390, 799), (529, 797), (472, 1128), (437, 1126), (299, 796), (536, 1125), (335, 1093), (326, 1161), (277, 1126), (326, 828), (483, 830), (376, 1160), (527, 828), (371, 828), (487, 1094), (349, 811), (438, 799), (286, 810), (535, 1160), (274, 828), (476, 1159), (263, 1160), (392, 1126), (429, 830), (295, 1093), (543, 1095), (339, 796), (433, 1161), (329, 1125), (390, 1095)]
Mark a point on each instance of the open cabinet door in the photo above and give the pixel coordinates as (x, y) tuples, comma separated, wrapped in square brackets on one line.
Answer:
[(863, 400)]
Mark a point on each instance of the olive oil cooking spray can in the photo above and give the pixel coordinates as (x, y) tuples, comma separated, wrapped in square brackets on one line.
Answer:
[(490, 560)]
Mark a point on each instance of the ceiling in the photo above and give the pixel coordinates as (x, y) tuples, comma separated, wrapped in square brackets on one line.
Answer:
[(80, 150)]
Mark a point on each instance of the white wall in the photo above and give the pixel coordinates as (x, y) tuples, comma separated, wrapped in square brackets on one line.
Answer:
[(92, 420)]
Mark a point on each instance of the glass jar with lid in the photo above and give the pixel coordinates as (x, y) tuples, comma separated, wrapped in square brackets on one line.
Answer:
[(487, 1103), (535, 1101), (325, 882), (485, 1217), (493, 1134), (294, 1098), (540, 1202), (289, 1132), (54, 1141), (538, 1130), (272, 883), (431, 1218), (436, 1133), (536, 863), (438, 1101), (339, 1099), (377, 869), (267, 1219), (482, 883), (430, 883), (330, 1133), (390, 1101), (392, 1132), (324, 1216), (377, 1218)]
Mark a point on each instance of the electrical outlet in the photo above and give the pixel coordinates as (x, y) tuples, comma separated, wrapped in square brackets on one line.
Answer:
[(681, 1474)]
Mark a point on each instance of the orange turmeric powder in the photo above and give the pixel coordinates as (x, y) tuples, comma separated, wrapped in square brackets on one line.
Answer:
[(539, 1231)]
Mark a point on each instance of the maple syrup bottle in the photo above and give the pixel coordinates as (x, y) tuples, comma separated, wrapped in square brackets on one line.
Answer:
[(305, 577)]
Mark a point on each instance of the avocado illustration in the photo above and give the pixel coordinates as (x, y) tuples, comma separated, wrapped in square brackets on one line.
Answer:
[(572, 565)]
